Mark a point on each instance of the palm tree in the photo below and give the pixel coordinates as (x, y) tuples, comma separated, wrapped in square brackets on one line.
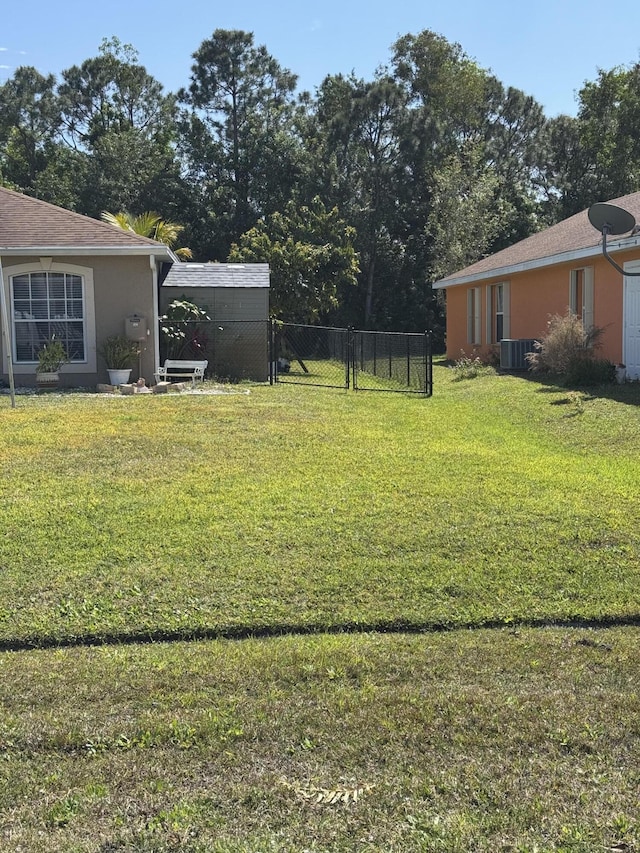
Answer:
[(152, 225)]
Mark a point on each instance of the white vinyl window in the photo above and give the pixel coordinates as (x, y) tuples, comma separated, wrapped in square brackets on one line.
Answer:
[(45, 305), (497, 312), (473, 316), (581, 295)]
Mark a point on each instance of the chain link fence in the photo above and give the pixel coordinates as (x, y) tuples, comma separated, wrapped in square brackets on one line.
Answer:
[(310, 355), (324, 356), (392, 361), (338, 358), (235, 349)]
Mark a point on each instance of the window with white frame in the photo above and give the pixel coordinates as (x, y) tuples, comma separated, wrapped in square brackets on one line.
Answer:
[(581, 295), (473, 316), (497, 312), (47, 304)]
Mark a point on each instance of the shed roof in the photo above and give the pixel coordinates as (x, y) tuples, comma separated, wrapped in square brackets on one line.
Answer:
[(30, 225), (217, 275), (572, 238)]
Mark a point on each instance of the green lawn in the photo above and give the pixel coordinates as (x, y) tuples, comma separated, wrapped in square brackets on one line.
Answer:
[(500, 504)]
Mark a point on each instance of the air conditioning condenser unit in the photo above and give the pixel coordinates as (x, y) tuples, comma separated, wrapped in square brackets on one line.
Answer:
[(513, 353)]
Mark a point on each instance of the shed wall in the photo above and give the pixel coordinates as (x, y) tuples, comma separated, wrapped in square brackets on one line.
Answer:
[(237, 339)]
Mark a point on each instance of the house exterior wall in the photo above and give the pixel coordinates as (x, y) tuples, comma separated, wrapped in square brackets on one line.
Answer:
[(115, 287), (125, 286), (536, 295)]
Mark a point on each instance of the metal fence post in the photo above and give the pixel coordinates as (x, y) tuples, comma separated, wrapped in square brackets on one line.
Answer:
[(408, 362), (428, 365), (271, 352)]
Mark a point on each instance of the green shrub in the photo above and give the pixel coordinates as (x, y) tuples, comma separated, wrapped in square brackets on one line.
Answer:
[(119, 352), (183, 330), (52, 356), (590, 371), (470, 367)]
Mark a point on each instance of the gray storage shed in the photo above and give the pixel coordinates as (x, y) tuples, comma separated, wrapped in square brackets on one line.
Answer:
[(236, 298)]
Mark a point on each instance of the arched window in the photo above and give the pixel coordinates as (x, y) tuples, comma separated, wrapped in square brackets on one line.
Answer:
[(46, 305), (47, 298)]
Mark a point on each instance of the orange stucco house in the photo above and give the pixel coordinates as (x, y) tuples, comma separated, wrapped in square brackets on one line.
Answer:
[(510, 296)]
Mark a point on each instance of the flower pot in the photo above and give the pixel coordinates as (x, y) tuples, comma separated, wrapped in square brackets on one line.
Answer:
[(47, 379), (119, 377)]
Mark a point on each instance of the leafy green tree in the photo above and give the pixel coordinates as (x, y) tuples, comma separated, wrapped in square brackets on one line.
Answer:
[(452, 95), (311, 257), (111, 93), (608, 112), (356, 133), (29, 121), (117, 114), (569, 180), (595, 156), (238, 138), (516, 151), (476, 148), (465, 218)]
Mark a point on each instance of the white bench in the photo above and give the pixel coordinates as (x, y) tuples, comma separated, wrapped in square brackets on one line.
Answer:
[(181, 368)]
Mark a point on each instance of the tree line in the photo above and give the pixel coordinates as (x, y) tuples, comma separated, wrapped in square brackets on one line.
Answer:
[(359, 195)]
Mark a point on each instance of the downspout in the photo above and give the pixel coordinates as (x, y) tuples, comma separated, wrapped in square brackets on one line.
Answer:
[(156, 314), (6, 335)]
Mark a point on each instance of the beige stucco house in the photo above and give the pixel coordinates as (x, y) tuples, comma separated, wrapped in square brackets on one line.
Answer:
[(78, 279), (83, 280)]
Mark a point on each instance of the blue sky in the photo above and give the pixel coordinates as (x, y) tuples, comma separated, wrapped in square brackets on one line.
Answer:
[(547, 48)]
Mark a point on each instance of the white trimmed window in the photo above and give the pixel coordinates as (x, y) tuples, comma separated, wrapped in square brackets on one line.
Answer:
[(45, 305), (581, 295), (473, 316), (46, 299), (497, 312)]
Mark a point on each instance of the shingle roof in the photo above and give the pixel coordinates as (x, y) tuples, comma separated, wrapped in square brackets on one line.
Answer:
[(574, 234), (217, 275), (27, 222)]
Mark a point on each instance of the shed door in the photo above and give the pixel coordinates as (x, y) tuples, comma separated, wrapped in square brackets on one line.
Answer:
[(631, 340)]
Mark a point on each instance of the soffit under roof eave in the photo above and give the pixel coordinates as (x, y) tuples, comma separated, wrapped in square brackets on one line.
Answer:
[(538, 263)]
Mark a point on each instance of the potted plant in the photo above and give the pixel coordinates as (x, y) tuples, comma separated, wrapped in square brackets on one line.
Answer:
[(120, 354), (51, 357)]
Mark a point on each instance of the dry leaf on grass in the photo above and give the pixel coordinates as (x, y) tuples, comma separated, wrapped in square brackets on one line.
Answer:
[(327, 796)]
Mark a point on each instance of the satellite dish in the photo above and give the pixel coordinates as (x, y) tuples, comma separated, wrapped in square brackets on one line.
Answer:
[(610, 218)]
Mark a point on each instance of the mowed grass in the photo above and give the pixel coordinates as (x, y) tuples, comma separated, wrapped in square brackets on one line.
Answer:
[(467, 740), (301, 508), (334, 521)]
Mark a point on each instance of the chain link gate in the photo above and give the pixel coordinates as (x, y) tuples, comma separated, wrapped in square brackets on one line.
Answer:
[(310, 355), (338, 358), (392, 361)]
